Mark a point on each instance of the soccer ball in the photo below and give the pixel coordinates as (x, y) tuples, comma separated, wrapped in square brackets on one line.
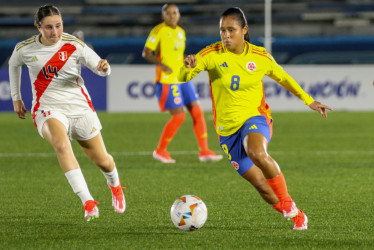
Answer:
[(189, 213)]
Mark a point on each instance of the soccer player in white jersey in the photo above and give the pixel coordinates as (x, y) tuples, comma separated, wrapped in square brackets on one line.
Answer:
[(62, 109)]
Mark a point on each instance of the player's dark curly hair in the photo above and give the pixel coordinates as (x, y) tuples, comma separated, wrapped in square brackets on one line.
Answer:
[(239, 15), (43, 11)]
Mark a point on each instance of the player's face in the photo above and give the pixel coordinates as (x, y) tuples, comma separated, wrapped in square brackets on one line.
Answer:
[(171, 16), (51, 29), (232, 34)]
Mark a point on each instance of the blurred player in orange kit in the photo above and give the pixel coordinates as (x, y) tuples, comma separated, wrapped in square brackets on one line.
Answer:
[(242, 118), (165, 48)]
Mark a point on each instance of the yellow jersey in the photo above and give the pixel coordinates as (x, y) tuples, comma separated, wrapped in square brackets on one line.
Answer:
[(169, 45), (236, 84)]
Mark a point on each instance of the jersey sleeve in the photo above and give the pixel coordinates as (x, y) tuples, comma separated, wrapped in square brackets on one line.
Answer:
[(15, 70), (153, 39), (187, 74), (89, 58), (278, 74)]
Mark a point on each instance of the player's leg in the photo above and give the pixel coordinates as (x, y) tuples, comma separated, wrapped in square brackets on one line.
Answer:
[(233, 147), (169, 96), (87, 132), (55, 132), (255, 176), (255, 144), (191, 101)]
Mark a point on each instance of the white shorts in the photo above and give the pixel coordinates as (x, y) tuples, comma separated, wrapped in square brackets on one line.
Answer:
[(80, 128)]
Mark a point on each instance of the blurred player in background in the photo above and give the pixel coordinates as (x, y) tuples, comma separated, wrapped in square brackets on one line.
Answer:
[(241, 116), (165, 47), (62, 109)]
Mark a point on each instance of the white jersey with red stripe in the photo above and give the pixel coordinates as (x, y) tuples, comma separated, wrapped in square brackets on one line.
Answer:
[(55, 74)]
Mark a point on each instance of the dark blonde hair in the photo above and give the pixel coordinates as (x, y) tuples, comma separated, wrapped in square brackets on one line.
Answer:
[(239, 16), (43, 11)]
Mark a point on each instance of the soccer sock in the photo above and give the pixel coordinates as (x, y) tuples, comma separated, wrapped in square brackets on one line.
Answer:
[(278, 207), (112, 177), (199, 127), (79, 185), (170, 129), (279, 186)]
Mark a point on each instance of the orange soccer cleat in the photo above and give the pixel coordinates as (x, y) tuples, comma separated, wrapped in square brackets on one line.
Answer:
[(301, 221), (90, 210)]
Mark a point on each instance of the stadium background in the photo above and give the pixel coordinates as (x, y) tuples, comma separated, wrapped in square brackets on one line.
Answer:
[(327, 46)]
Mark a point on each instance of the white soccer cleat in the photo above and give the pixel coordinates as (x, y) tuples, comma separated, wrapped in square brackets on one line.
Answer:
[(163, 156), (91, 211), (118, 199), (209, 156)]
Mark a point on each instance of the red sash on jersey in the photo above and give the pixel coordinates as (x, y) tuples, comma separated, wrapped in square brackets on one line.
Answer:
[(49, 71)]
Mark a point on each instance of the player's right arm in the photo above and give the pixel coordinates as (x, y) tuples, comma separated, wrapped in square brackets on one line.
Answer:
[(150, 47), (193, 64), (15, 70), (150, 56)]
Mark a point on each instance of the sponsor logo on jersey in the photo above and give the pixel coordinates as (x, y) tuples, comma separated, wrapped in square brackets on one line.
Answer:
[(34, 59), (63, 55), (224, 65), (235, 165), (251, 66)]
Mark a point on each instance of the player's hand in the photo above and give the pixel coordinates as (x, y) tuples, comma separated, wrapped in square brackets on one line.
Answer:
[(103, 65), (320, 108), (20, 109), (190, 61), (166, 69)]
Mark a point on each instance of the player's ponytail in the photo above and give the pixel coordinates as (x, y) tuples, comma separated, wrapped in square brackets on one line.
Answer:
[(239, 15), (43, 11)]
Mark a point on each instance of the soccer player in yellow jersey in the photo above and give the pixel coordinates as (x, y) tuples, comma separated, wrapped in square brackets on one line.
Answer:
[(165, 48), (241, 116)]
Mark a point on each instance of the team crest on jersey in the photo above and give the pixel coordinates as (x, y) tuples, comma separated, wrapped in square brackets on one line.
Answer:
[(152, 39), (235, 165), (177, 100), (63, 55), (251, 66)]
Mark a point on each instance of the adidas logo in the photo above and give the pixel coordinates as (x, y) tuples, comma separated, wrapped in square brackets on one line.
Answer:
[(34, 59), (93, 130), (224, 65), (253, 127)]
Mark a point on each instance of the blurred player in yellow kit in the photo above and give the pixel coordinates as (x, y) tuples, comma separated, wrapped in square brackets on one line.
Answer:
[(165, 48), (242, 118)]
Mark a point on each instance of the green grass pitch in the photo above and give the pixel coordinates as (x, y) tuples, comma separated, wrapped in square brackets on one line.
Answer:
[(328, 165)]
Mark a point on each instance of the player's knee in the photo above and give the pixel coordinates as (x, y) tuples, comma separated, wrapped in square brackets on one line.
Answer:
[(257, 156), (105, 162), (61, 147)]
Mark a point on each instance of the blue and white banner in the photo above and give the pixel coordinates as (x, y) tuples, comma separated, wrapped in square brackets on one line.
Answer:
[(348, 87), (130, 88)]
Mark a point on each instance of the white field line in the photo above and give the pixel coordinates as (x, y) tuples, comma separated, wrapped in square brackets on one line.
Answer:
[(149, 153)]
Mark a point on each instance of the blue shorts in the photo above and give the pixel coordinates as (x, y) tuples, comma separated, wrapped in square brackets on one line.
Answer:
[(171, 96), (233, 146)]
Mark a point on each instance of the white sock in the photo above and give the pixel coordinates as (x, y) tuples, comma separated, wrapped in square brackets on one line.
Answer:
[(112, 177), (79, 185)]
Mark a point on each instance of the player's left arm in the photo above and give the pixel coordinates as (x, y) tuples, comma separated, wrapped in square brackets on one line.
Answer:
[(99, 66), (283, 78)]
